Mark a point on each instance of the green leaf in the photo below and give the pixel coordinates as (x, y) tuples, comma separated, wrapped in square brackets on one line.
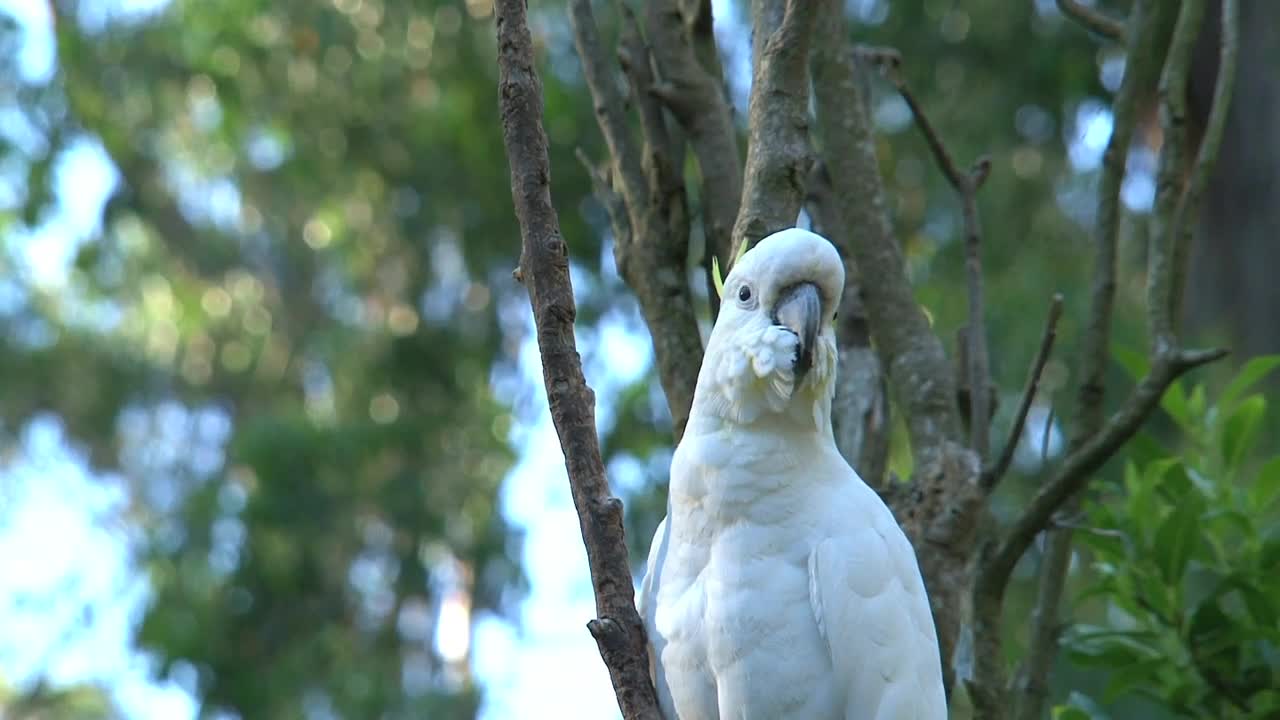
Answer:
[(1174, 402), (1176, 539), (1141, 506), (1069, 712), (1134, 362), (1122, 679), (1241, 428), (1266, 486), (1250, 374), (1086, 704), (1171, 478), (1269, 555), (1196, 405)]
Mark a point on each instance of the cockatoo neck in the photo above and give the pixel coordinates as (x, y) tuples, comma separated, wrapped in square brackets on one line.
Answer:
[(748, 380)]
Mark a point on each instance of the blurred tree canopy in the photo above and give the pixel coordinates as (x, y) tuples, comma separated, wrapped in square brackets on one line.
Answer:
[(291, 328)]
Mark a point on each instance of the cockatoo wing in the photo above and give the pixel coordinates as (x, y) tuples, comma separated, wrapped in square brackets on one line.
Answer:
[(646, 602), (870, 605)]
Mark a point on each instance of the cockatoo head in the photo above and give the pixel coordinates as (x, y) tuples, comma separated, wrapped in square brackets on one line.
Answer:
[(773, 347)]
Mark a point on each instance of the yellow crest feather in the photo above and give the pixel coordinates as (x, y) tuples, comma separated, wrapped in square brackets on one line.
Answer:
[(716, 278)]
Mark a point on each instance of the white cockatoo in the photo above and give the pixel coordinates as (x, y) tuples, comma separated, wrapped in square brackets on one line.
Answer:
[(779, 585)]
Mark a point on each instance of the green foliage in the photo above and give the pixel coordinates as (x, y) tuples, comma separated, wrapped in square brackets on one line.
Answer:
[(280, 329), (1187, 559)]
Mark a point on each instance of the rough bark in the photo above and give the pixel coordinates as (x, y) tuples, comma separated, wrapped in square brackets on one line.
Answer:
[(653, 256), (778, 152), (694, 92), (544, 265)]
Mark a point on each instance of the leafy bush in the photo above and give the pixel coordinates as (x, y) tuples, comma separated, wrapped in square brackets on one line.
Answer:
[(1187, 566)]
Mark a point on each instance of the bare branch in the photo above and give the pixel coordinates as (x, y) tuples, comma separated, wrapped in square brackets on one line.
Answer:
[(652, 260), (979, 365), (889, 62), (613, 203), (991, 476), (1079, 466), (966, 184), (545, 262), (1207, 156), (1170, 173), (607, 100), (778, 153), (696, 98), (1152, 22), (1092, 19), (908, 347), (1032, 686)]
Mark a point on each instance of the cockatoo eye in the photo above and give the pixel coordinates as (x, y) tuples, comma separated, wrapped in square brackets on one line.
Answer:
[(744, 295)]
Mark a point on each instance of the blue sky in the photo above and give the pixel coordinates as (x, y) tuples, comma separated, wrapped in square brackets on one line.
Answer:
[(69, 608)]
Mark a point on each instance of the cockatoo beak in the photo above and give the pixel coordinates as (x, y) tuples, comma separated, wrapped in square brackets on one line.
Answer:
[(799, 309)]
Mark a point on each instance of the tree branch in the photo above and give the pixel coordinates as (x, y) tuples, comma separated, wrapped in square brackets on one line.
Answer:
[(653, 259), (1151, 21), (602, 188), (1170, 174), (778, 153), (696, 98), (1093, 20), (991, 476), (544, 258), (608, 104), (1032, 686), (1207, 156), (1079, 466), (908, 346), (966, 184)]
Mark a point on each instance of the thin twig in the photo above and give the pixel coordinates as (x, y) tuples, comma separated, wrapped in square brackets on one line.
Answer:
[(1151, 21), (1080, 465), (993, 474), (1032, 688), (979, 363), (778, 151), (602, 188), (1093, 19), (1044, 436), (1207, 156), (1170, 173), (966, 184), (607, 100)]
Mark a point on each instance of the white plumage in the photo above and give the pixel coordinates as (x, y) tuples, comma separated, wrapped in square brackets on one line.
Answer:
[(779, 585)]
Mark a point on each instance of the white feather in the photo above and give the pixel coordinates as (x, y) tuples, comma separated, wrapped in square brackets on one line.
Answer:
[(779, 585)]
